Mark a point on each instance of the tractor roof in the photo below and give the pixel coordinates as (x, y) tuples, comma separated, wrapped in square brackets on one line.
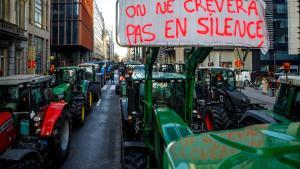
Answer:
[(215, 68), (88, 65), (132, 63), (260, 146), (160, 76), (294, 80), (18, 79), (68, 68)]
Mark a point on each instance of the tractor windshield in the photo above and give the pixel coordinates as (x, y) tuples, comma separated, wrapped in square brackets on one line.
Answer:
[(9, 96), (169, 93), (66, 76)]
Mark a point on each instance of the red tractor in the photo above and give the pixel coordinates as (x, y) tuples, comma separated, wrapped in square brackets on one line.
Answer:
[(34, 132)]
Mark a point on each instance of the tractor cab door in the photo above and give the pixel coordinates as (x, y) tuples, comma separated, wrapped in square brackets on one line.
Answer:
[(282, 101), (39, 101), (295, 108)]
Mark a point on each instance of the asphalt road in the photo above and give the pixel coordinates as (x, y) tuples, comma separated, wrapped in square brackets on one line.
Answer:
[(96, 145), (256, 96)]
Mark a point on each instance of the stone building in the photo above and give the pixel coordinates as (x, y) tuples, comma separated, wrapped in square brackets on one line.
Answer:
[(24, 36)]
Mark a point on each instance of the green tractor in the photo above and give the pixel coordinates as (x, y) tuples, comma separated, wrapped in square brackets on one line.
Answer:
[(286, 107), (71, 86), (156, 128), (94, 78)]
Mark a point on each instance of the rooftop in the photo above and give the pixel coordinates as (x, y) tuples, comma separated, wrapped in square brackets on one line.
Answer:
[(18, 79)]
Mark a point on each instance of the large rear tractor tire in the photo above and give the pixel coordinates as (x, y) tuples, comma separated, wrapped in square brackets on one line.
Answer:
[(134, 159), (78, 112), (62, 138), (216, 118)]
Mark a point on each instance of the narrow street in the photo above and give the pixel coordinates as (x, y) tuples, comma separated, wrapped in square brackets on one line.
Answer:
[(96, 144)]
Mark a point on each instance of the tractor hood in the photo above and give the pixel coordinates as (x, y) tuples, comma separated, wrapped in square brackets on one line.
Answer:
[(239, 98), (171, 125), (60, 89), (260, 146)]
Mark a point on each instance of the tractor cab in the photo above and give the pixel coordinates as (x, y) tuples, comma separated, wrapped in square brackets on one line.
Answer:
[(171, 68), (90, 74), (288, 100), (212, 80), (24, 93)]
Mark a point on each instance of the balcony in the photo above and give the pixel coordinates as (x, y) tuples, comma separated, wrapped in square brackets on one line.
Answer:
[(12, 31)]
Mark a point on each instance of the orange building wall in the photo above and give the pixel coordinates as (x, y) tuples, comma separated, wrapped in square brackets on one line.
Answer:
[(86, 34)]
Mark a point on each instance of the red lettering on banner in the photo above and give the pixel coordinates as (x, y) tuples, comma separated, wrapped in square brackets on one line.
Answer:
[(136, 10), (180, 28), (138, 33), (259, 30), (167, 29), (239, 6), (227, 27), (167, 7), (237, 27), (185, 5), (251, 36), (198, 4), (220, 7), (217, 28), (253, 7), (209, 6), (206, 29), (229, 6)]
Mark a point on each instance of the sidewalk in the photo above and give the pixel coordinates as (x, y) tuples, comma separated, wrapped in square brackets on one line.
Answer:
[(256, 96)]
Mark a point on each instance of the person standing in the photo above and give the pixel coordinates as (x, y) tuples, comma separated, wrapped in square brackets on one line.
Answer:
[(112, 77), (264, 86)]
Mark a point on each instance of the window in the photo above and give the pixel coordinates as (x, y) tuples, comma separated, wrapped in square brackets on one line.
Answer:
[(69, 11), (75, 10), (54, 12), (61, 11), (4, 9), (38, 13), (75, 32), (2, 62), (39, 53), (68, 32), (54, 33), (281, 8), (61, 33)]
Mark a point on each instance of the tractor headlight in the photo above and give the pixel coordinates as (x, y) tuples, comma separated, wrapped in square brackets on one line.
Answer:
[(37, 121)]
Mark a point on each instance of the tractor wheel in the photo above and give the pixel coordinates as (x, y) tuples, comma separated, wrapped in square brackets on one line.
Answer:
[(78, 110), (62, 138), (96, 92), (27, 163), (216, 118), (134, 159)]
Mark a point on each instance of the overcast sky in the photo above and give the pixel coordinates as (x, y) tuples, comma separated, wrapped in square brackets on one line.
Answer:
[(107, 7)]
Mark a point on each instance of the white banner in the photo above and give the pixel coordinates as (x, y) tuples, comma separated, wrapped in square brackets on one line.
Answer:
[(193, 23)]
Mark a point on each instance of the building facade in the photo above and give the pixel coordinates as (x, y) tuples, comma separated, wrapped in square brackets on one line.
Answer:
[(38, 29), (72, 31), (283, 23), (24, 36), (108, 44), (99, 28)]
